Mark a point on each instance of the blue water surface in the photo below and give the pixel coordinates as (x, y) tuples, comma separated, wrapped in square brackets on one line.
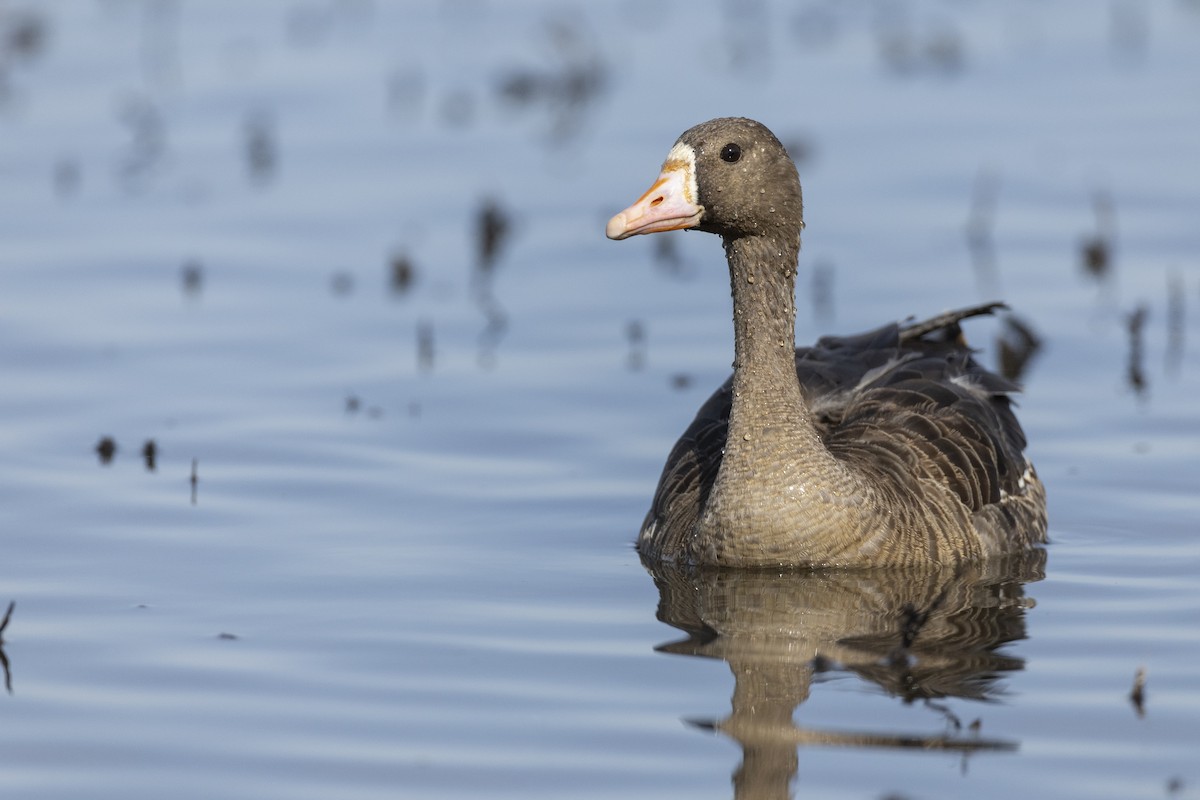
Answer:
[(385, 545)]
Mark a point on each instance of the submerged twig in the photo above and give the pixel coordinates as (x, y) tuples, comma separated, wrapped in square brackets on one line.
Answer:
[(3, 656), (1176, 322), (1017, 344), (1135, 373), (493, 226), (1137, 695), (7, 616), (980, 223), (1096, 250)]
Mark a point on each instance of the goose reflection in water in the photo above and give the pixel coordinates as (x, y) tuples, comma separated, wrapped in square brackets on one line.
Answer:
[(921, 635)]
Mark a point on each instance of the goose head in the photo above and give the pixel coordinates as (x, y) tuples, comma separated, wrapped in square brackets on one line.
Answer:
[(728, 176)]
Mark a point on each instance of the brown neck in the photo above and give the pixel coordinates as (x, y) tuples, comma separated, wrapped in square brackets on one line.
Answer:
[(769, 418), (762, 276), (777, 481)]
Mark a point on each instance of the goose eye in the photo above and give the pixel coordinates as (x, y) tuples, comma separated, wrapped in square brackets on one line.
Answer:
[(731, 152)]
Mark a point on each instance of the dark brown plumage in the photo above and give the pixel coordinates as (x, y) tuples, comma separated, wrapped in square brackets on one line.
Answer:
[(890, 447)]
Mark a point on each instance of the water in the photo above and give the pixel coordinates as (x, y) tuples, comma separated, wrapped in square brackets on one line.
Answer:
[(405, 566)]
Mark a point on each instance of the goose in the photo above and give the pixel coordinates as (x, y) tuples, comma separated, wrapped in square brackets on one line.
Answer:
[(884, 449)]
